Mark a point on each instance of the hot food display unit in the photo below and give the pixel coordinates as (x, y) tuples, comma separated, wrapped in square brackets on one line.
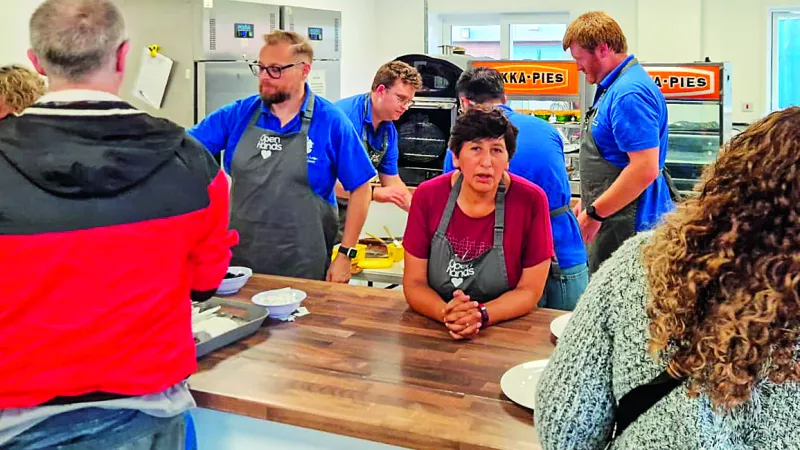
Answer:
[(424, 130), (700, 112)]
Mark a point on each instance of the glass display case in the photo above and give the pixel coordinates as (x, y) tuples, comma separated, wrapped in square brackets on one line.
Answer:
[(700, 116)]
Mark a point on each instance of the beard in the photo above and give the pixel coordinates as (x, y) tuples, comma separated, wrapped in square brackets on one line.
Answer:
[(275, 98)]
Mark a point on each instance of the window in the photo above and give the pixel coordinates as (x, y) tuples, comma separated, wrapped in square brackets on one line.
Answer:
[(538, 41), (506, 36), (481, 40), (785, 59)]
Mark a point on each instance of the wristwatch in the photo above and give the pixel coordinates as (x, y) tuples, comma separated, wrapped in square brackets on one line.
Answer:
[(347, 251), (591, 211), (484, 314)]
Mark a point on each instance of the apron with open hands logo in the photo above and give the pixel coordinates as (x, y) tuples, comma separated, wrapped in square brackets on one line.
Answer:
[(483, 278)]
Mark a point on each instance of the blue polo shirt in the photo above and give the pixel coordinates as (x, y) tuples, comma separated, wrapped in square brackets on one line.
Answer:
[(631, 117), (353, 107), (334, 148), (540, 159)]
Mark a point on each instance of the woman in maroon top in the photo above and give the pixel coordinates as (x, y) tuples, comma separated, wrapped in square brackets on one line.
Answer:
[(478, 241)]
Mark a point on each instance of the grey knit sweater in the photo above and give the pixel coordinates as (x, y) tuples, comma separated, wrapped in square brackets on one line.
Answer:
[(603, 355)]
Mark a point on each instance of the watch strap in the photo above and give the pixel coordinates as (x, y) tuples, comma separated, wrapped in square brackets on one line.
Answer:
[(484, 314), (591, 211), (347, 251)]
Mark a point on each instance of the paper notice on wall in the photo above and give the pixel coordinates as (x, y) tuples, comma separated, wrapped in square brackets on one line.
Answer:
[(151, 83), (316, 79)]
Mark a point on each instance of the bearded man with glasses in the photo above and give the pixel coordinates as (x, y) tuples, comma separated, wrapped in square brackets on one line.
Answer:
[(284, 150)]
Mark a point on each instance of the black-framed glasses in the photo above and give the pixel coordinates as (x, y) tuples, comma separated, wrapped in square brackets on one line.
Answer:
[(274, 72)]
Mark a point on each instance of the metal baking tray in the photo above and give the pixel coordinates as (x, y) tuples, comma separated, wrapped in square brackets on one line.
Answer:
[(252, 322)]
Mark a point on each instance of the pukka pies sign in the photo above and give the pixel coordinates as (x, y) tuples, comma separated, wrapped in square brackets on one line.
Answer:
[(690, 82), (546, 78)]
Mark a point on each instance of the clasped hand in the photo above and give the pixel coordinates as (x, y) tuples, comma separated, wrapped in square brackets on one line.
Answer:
[(462, 317)]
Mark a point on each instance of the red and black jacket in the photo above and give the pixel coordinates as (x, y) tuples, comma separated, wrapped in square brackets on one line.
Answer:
[(110, 221)]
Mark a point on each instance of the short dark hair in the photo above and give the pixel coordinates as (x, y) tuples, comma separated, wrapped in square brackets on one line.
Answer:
[(481, 85), (480, 123)]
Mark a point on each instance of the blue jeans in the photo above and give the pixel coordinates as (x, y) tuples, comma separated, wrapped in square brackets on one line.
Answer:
[(564, 286), (104, 429)]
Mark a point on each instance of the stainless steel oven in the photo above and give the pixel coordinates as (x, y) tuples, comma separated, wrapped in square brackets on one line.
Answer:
[(423, 130)]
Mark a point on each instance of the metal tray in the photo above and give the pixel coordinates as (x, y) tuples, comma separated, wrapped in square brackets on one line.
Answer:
[(255, 317)]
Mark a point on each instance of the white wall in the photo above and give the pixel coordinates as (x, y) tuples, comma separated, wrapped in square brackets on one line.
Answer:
[(14, 17), (401, 30)]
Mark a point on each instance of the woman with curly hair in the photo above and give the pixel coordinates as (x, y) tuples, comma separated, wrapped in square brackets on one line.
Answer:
[(20, 87), (699, 318)]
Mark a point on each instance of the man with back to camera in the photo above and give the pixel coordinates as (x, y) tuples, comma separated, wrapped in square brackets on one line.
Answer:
[(624, 187), (284, 149), (373, 115), (539, 159), (111, 221)]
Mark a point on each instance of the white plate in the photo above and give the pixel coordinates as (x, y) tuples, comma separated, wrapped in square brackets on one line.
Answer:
[(519, 382), (558, 325)]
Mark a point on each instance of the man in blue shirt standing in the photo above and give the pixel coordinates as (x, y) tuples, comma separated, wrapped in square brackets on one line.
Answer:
[(373, 115), (284, 149), (624, 188), (539, 159)]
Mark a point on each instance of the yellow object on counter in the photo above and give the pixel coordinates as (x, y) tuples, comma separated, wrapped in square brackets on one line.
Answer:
[(376, 263), (396, 252)]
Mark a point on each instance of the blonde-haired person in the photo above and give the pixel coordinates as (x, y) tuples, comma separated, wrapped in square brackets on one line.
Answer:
[(20, 87), (624, 188), (700, 317), (284, 148), (373, 115)]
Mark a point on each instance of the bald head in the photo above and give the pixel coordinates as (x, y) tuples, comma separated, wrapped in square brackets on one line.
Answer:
[(73, 39)]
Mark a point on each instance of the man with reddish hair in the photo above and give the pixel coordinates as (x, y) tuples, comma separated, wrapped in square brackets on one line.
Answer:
[(111, 222), (624, 188)]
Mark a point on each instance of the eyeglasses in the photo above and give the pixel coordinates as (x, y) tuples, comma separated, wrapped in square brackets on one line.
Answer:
[(403, 101), (274, 72)]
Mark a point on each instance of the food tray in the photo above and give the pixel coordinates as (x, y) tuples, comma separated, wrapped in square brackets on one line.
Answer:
[(253, 320)]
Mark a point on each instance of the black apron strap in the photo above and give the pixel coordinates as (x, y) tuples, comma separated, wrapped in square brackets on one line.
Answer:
[(642, 398), (559, 211)]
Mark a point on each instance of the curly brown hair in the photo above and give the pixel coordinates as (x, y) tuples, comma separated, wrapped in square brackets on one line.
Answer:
[(397, 70), (724, 269), (20, 87)]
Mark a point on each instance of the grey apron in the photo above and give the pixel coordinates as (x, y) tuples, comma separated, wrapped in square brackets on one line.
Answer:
[(597, 175), (284, 227), (375, 156), (483, 278)]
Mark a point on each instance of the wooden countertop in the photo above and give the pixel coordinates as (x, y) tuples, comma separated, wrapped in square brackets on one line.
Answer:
[(363, 365)]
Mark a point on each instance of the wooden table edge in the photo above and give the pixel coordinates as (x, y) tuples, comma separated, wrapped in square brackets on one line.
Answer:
[(334, 425)]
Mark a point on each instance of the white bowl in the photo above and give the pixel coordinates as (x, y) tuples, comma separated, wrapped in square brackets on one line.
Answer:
[(519, 382), (280, 302), (232, 285)]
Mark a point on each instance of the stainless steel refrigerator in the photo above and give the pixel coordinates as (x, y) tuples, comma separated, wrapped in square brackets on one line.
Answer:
[(323, 30), (232, 35)]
